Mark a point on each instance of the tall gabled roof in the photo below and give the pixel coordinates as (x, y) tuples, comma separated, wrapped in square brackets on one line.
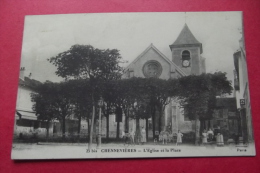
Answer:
[(151, 46), (186, 38)]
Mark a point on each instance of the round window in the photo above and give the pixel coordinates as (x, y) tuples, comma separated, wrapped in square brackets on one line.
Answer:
[(152, 69)]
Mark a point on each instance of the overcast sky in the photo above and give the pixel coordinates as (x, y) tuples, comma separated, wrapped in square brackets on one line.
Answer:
[(131, 33)]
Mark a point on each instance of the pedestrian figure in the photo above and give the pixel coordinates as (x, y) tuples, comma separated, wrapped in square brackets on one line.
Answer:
[(179, 138), (123, 136), (210, 134), (204, 137), (132, 134), (164, 134), (236, 138), (219, 138), (143, 136), (156, 138)]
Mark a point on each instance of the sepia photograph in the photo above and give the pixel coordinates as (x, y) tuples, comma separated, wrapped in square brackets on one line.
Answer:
[(133, 85)]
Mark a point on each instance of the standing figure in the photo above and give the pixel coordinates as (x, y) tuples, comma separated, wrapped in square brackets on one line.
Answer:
[(204, 137), (219, 137), (210, 134), (143, 136), (156, 137), (132, 135), (179, 137), (164, 134), (123, 136)]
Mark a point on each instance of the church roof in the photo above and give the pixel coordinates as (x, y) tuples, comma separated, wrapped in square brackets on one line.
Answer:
[(151, 46), (186, 38)]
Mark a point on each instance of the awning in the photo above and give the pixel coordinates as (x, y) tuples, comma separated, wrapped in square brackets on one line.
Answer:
[(27, 115)]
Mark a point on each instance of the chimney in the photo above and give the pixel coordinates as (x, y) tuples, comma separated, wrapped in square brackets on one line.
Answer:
[(22, 69)]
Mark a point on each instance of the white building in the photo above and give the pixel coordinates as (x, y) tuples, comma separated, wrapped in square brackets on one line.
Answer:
[(25, 118)]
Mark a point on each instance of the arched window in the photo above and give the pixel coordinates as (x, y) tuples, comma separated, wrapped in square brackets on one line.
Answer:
[(185, 55), (185, 58)]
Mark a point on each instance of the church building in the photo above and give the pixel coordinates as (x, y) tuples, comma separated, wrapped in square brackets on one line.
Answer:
[(186, 60)]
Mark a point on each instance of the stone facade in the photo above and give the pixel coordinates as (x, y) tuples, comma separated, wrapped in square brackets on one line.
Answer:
[(197, 62), (169, 69)]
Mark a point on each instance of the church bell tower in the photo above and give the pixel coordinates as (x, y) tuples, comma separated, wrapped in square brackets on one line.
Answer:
[(186, 53)]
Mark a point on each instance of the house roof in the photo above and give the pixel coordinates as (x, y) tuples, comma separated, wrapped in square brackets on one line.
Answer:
[(151, 46), (186, 38)]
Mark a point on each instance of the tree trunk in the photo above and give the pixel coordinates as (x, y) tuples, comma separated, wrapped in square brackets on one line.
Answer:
[(91, 128), (118, 119), (107, 125), (239, 127), (95, 132), (138, 132), (117, 129), (146, 128), (63, 127), (88, 127), (47, 130), (197, 131), (79, 125), (202, 126), (159, 122), (127, 120), (153, 121)]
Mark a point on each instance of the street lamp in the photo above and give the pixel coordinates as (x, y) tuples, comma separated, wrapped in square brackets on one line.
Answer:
[(100, 104)]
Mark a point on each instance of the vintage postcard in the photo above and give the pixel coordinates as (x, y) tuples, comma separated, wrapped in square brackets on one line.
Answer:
[(132, 85)]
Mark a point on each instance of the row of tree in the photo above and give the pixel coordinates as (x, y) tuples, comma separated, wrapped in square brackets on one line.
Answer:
[(137, 98), (91, 73)]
